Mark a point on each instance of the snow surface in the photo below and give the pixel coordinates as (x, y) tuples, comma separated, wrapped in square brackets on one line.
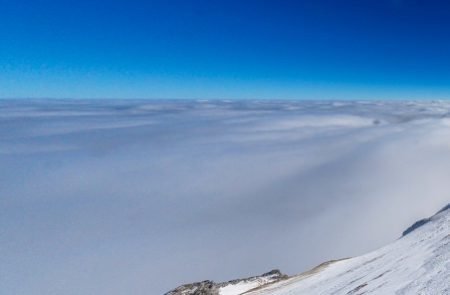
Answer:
[(238, 288), (244, 286), (417, 263)]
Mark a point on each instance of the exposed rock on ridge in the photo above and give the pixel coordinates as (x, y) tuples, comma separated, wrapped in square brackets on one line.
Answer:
[(212, 288)]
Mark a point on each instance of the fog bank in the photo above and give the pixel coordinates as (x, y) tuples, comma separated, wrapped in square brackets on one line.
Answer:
[(137, 197)]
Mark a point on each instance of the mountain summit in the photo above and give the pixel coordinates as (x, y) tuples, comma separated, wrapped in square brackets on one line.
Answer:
[(416, 263)]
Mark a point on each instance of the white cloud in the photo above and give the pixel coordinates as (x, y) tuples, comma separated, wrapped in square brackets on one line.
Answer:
[(136, 197)]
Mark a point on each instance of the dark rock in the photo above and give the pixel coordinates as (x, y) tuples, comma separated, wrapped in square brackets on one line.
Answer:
[(421, 222), (416, 225), (274, 272), (444, 209), (199, 288)]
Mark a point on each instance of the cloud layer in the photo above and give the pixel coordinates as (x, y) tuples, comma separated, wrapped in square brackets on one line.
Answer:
[(137, 197)]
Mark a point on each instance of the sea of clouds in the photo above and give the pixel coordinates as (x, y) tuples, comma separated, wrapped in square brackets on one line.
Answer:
[(138, 197)]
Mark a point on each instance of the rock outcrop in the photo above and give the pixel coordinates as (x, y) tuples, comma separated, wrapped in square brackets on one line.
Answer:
[(237, 286)]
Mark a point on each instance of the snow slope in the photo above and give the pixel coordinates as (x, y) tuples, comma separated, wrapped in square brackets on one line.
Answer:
[(416, 263), (246, 285)]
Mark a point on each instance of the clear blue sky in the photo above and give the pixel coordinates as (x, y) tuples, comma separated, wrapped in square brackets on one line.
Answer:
[(225, 49)]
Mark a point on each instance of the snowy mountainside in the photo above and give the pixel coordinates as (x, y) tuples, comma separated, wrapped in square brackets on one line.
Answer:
[(416, 263)]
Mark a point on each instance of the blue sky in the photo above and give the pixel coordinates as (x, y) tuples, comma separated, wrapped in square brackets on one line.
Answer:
[(386, 49)]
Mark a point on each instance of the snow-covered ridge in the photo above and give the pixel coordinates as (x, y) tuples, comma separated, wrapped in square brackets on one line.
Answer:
[(233, 287), (416, 263)]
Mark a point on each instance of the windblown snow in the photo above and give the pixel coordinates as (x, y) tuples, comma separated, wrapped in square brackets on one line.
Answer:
[(416, 263), (242, 287)]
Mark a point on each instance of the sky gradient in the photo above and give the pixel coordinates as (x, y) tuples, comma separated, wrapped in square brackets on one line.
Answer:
[(225, 49)]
